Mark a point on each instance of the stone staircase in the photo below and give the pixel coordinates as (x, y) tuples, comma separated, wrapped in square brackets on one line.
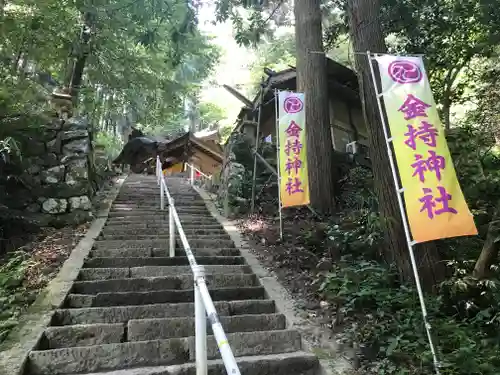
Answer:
[(131, 310)]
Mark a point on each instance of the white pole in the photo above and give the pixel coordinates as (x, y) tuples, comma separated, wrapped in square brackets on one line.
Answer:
[(220, 337), (162, 192), (276, 99), (399, 192), (171, 228), (200, 318), (158, 169), (191, 174)]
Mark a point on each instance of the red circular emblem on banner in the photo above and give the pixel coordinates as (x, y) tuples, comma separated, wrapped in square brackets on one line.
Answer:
[(405, 71), (293, 104)]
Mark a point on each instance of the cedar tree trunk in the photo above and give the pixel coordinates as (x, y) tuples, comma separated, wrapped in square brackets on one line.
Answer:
[(366, 34), (491, 247), (312, 80)]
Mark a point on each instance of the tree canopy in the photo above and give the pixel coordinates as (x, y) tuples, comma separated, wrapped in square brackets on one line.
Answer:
[(141, 59)]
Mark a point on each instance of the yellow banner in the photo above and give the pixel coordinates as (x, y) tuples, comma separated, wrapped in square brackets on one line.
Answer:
[(294, 184), (435, 205)]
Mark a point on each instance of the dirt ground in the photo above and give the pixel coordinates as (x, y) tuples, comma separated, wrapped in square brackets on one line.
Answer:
[(298, 261), (27, 269)]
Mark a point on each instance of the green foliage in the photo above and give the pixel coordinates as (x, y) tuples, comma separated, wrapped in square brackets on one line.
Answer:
[(450, 34), (276, 53), (13, 296), (142, 60), (384, 316), (225, 133), (111, 144), (210, 115), (357, 190)]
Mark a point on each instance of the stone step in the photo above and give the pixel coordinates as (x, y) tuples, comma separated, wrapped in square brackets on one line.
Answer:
[(157, 329), (159, 296), (187, 221), (152, 329), (83, 335), (162, 234), (161, 283), (158, 212), (150, 215), (294, 363), (144, 230), (161, 243), (137, 225), (87, 274), (154, 203), (159, 261), (199, 252), (122, 314), (156, 352), (160, 252)]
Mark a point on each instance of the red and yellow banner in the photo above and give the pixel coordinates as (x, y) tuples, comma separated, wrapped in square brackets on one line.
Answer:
[(294, 184), (435, 205)]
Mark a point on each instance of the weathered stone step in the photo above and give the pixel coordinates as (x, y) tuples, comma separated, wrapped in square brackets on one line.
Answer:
[(152, 329), (157, 329), (184, 215), (160, 252), (83, 335), (221, 251), (155, 353), (161, 283), (144, 230), (87, 274), (122, 314), (159, 296), (159, 261), (116, 225), (146, 213), (162, 234), (187, 221), (294, 363), (154, 203), (161, 243)]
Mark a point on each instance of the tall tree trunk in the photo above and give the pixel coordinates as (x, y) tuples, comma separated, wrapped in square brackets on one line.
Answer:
[(312, 80), (82, 53), (366, 34), (446, 112), (491, 247)]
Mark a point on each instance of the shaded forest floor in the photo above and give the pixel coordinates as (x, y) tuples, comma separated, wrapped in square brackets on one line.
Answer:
[(32, 260), (25, 271), (299, 263)]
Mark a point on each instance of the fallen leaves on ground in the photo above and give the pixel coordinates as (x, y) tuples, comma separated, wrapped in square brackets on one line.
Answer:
[(25, 272)]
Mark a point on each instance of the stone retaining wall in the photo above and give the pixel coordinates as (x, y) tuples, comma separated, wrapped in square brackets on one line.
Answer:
[(56, 180)]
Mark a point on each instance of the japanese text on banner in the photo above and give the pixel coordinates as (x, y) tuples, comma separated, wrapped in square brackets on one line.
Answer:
[(435, 205), (294, 185)]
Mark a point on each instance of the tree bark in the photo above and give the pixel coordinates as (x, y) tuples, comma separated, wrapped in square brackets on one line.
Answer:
[(366, 34), (491, 247), (446, 114), (312, 80)]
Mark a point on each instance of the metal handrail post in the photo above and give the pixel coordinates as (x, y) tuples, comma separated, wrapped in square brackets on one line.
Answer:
[(204, 306), (162, 197), (200, 329), (220, 336), (157, 170), (171, 227)]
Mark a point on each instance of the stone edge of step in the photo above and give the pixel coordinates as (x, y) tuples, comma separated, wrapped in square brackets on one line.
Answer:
[(274, 290), (247, 366), (15, 349)]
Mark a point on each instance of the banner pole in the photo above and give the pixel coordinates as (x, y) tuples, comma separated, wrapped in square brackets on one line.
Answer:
[(276, 103), (399, 192)]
